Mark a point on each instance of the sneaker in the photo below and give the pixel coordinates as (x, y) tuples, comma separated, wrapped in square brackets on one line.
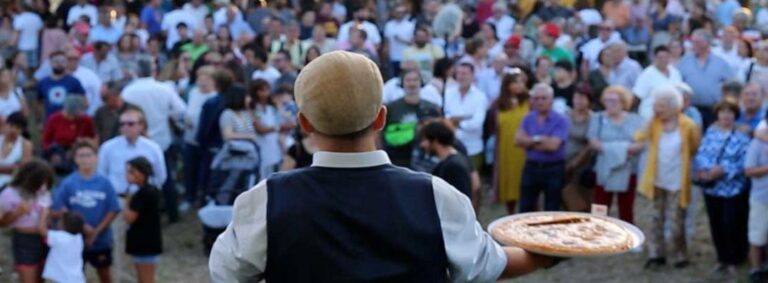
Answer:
[(184, 207)]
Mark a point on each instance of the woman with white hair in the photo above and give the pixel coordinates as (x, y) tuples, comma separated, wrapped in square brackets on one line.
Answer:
[(672, 140)]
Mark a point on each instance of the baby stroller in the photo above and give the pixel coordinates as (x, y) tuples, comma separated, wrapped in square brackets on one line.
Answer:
[(234, 169)]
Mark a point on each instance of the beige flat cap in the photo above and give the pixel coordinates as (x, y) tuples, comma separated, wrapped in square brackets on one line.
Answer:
[(339, 92)]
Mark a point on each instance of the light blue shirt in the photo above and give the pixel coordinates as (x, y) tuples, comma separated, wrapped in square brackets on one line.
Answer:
[(757, 156), (725, 10), (705, 80), (109, 34)]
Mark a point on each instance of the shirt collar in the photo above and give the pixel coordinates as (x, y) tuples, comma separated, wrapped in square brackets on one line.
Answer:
[(350, 160)]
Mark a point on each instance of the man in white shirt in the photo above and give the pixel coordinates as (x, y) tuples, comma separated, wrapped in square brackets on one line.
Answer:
[(367, 218), (360, 21), (465, 105), (489, 80), (88, 78), (591, 49), (728, 49), (197, 8), (660, 73), (116, 152), (501, 20), (161, 104), (262, 69), (27, 26), (172, 19), (159, 101), (83, 8), (399, 33)]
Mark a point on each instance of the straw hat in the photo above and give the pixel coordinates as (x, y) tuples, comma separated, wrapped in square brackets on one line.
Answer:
[(339, 93)]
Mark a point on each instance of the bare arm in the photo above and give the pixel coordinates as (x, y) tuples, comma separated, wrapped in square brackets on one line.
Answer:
[(522, 139), (754, 172), (548, 144), (521, 262)]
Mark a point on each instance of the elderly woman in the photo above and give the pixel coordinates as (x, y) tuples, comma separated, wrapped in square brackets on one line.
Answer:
[(576, 195), (672, 141), (719, 171), (611, 135)]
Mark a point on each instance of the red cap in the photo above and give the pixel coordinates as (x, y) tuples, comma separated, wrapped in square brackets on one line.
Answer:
[(552, 30), (513, 41)]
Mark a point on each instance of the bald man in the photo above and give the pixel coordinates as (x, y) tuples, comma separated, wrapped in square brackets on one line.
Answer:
[(353, 216)]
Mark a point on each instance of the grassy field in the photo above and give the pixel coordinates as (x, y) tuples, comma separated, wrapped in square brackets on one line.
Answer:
[(184, 260)]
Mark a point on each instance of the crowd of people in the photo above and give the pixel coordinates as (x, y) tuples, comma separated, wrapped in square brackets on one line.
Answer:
[(116, 112)]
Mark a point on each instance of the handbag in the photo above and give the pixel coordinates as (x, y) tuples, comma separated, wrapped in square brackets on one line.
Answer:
[(708, 184)]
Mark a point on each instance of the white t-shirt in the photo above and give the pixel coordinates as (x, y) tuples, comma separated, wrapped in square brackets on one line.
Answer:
[(11, 104), (648, 80), (269, 74), (86, 10), (504, 26), (160, 102), (403, 30), (28, 25), (65, 261), (668, 161), (172, 19), (92, 85)]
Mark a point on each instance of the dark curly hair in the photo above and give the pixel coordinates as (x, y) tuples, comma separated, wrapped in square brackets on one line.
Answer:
[(32, 176)]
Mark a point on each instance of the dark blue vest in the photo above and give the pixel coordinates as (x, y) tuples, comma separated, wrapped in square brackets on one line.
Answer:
[(375, 224)]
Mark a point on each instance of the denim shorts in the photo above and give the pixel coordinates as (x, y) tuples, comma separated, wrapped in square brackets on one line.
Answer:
[(146, 259)]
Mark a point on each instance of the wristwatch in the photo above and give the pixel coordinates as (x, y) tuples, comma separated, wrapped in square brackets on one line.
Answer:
[(536, 138)]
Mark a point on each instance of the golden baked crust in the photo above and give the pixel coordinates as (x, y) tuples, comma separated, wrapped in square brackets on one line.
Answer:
[(564, 233)]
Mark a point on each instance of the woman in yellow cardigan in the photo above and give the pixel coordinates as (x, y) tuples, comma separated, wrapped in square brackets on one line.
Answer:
[(672, 140)]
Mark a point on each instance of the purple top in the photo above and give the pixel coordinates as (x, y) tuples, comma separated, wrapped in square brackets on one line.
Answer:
[(555, 125)]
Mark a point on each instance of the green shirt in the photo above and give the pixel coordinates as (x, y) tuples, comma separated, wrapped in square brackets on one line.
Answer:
[(194, 51), (557, 54)]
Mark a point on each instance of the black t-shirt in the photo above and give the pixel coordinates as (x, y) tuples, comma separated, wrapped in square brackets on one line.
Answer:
[(456, 170), (144, 237), (565, 93), (400, 134)]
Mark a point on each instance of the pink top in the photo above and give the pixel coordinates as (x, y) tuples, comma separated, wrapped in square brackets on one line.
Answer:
[(52, 40), (10, 199)]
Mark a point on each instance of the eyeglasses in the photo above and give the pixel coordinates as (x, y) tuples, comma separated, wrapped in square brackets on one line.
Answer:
[(128, 123)]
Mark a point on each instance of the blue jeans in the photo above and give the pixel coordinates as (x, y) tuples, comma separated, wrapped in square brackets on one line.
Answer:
[(540, 177), (192, 156)]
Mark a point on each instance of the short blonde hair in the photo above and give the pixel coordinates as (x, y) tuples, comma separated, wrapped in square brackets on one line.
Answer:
[(624, 94)]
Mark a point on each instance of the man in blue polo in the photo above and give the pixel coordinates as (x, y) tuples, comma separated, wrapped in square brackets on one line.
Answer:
[(353, 216), (542, 133)]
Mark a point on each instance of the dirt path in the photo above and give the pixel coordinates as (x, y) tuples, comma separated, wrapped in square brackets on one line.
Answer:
[(184, 260)]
